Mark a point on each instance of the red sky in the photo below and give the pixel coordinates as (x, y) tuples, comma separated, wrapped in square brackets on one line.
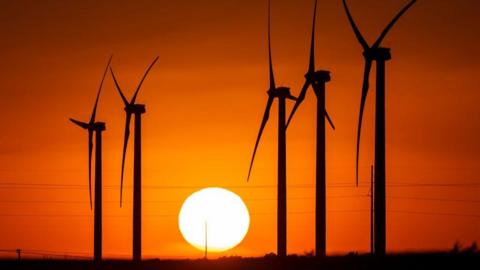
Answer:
[(205, 99)]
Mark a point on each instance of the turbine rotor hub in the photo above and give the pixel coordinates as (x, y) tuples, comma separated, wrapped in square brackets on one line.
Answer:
[(319, 76), (135, 109), (98, 126), (378, 54), (280, 92)]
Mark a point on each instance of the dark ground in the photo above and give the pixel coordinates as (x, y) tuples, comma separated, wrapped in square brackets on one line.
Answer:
[(398, 261)]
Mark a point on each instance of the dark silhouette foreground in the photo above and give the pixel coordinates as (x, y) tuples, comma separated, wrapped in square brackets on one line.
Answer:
[(399, 261)]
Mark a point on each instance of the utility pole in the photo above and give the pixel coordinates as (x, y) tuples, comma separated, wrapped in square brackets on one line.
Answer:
[(19, 254), (206, 240), (372, 211)]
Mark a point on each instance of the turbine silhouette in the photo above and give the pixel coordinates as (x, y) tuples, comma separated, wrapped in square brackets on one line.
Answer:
[(137, 109), (380, 56), (318, 80), (97, 128), (281, 93)]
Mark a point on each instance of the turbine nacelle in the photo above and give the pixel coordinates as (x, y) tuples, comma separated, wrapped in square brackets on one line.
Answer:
[(135, 108), (281, 92), (377, 54), (97, 126), (318, 76)]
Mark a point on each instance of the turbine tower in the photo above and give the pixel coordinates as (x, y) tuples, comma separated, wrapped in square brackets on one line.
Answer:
[(97, 128), (380, 55), (281, 93), (137, 109), (318, 80)]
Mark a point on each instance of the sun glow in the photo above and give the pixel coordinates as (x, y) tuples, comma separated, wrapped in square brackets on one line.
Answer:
[(214, 218)]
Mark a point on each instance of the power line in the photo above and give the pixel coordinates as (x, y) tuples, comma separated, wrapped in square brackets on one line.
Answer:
[(166, 201), (62, 254), (434, 199), (75, 186), (252, 199), (13, 185), (435, 213), (44, 253), (252, 214), (156, 215)]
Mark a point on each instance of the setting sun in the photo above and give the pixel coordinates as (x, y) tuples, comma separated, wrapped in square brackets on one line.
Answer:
[(214, 218)]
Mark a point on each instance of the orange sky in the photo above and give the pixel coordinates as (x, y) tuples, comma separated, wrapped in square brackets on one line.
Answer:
[(205, 99)]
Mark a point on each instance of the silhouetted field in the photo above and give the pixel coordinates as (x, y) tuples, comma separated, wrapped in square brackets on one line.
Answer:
[(399, 261)]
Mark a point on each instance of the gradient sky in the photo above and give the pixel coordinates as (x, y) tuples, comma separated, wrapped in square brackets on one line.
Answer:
[(205, 99)]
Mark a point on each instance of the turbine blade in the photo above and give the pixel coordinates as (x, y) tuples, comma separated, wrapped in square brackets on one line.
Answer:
[(355, 28), (366, 75), (90, 150), (79, 123), (300, 99), (262, 127), (125, 101), (125, 142), (392, 23), (92, 119), (329, 120), (272, 78), (291, 97), (141, 82), (311, 66)]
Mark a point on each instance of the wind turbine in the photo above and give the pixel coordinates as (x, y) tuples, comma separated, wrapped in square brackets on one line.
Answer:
[(318, 80), (97, 128), (137, 109), (380, 55), (281, 93)]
